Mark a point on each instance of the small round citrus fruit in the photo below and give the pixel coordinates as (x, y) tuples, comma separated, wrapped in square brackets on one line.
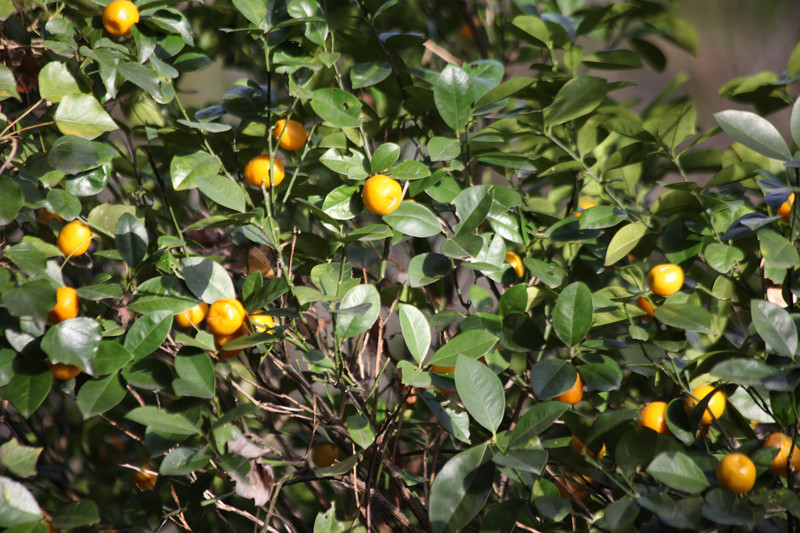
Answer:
[(574, 394), (736, 472), (66, 305), (785, 210), (784, 444), (64, 372), (256, 171), (515, 262), (666, 279), (324, 454), (225, 316), (645, 305), (653, 416), (583, 205), (119, 16), (74, 238), (192, 317), (44, 216), (466, 32), (716, 405), (577, 445), (220, 341), (443, 369), (382, 194), (262, 323), (291, 135)]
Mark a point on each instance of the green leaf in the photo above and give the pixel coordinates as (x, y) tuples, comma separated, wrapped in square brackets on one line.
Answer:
[(460, 489), (481, 392), (182, 461), (343, 202), (624, 241), (222, 191), (755, 132), (601, 217), (572, 314), (685, 316), (384, 157), (472, 206), (722, 257), (414, 219), (777, 250), (369, 74), (410, 170), (454, 94), (99, 395), (33, 299), (454, 422), (207, 279), (504, 90), (8, 85), (416, 331), (748, 372), (73, 342), (360, 431), (326, 522), (473, 344), (358, 311), (794, 121), (425, 269), (677, 124), (578, 97), (20, 460), (613, 59), (185, 167), (147, 333), (10, 200), (55, 82), (17, 504), (72, 154), (775, 326), (678, 471), (336, 106), (253, 10), (535, 420), (82, 115), (148, 374), (552, 507), (131, 239), (552, 377), (28, 387), (466, 246), (443, 149), (195, 376), (532, 461), (535, 28), (157, 420), (162, 294)]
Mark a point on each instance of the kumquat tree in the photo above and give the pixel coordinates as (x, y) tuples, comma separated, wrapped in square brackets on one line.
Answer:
[(421, 266)]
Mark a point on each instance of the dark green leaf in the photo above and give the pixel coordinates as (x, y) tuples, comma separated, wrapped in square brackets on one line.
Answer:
[(352, 324), (360, 431), (207, 279), (576, 98), (369, 74), (222, 191), (678, 471), (147, 333), (195, 376), (552, 377), (414, 219), (131, 239), (572, 314), (182, 461), (488, 405), (454, 94), (416, 331), (473, 344), (28, 387), (165, 293), (10, 200), (157, 420), (73, 342), (776, 327), (99, 395), (336, 106), (424, 269)]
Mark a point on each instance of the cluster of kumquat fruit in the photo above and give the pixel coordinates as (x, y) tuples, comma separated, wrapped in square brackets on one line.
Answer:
[(268, 172)]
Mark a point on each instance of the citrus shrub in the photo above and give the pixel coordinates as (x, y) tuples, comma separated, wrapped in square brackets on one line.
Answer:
[(514, 346)]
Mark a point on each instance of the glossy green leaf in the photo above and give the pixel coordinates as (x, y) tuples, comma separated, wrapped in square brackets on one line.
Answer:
[(776, 327), (679, 471), (572, 314), (576, 98), (360, 431), (425, 269), (794, 121), (195, 376), (131, 238), (343, 202), (460, 489), (72, 154), (472, 207), (535, 420), (207, 279), (473, 344), (443, 149), (19, 459), (466, 246), (163, 293), (384, 157), (82, 115), (552, 377), (186, 166), (158, 420), (100, 395), (454, 95), (369, 74), (336, 106), (34, 299), (182, 461), (17, 504), (73, 342), (755, 132), (147, 333), (481, 391), (722, 257), (623, 241), (358, 311), (416, 331), (777, 250), (10, 200), (414, 219), (222, 191), (29, 386), (685, 316)]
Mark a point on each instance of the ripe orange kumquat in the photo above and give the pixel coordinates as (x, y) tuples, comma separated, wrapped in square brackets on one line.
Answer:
[(577, 445), (144, 480), (736, 472), (382, 194), (574, 394), (225, 316), (119, 16), (324, 454), (716, 405), (785, 210), (666, 279), (290, 134), (192, 317), (66, 305), (256, 171), (516, 263), (784, 444), (220, 341), (74, 239), (262, 323), (654, 416), (64, 372)]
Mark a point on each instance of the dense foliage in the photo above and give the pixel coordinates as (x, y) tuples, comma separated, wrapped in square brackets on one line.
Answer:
[(414, 342)]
